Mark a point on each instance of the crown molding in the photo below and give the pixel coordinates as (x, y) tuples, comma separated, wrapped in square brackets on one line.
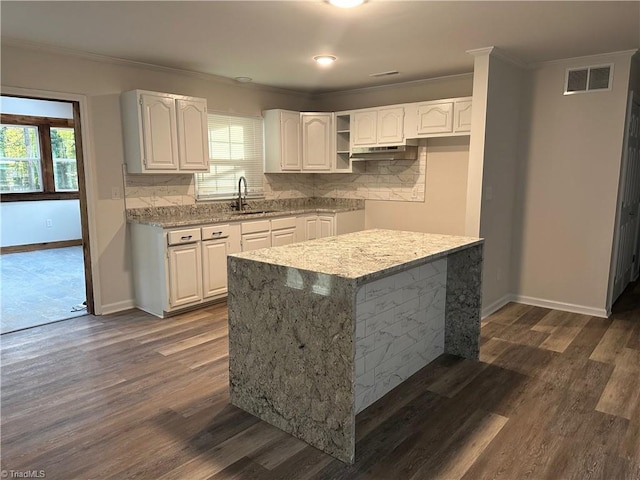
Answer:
[(585, 58), (390, 86), (498, 53), (95, 57)]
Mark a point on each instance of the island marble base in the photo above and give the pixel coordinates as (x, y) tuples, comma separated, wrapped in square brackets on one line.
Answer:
[(293, 359)]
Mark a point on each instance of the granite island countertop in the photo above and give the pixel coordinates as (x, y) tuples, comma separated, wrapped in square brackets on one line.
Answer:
[(365, 255), (220, 212)]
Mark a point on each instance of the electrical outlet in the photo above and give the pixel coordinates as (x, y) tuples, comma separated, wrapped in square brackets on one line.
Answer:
[(49, 223)]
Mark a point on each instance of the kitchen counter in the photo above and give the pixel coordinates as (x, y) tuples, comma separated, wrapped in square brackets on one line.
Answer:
[(320, 330), (221, 212)]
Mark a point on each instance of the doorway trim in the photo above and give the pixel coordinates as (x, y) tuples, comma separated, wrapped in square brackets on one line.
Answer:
[(632, 98), (87, 215)]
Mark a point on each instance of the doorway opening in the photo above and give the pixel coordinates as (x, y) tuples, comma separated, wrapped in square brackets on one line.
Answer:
[(44, 246)]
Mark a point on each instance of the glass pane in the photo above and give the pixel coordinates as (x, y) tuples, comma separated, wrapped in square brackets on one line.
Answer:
[(65, 168), (19, 159), (20, 176), (17, 141)]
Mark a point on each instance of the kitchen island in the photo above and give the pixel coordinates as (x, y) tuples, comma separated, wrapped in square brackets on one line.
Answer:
[(320, 330)]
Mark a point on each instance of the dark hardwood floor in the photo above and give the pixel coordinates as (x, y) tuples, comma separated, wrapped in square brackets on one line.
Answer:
[(555, 396)]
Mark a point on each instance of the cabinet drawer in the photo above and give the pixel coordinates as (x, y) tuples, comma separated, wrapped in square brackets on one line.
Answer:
[(257, 226), (189, 235), (280, 223), (215, 231)]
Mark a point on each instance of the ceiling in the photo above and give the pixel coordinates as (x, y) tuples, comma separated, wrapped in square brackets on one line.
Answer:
[(274, 42)]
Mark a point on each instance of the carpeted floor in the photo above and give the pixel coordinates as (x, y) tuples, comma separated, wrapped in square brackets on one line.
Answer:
[(41, 287)]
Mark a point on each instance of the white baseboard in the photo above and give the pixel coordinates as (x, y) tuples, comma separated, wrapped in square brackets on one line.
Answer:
[(565, 307), (497, 305), (117, 307)]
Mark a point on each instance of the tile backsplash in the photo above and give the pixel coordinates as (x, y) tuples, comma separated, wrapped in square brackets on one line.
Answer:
[(397, 180)]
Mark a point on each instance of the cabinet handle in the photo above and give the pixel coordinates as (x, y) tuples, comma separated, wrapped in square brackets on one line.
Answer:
[(186, 237), (213, 234)]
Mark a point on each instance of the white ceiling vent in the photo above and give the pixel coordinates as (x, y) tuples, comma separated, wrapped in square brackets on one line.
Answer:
[(588, 79)]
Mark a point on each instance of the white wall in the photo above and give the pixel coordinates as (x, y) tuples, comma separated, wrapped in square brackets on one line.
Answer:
[(572, 157), (25, 223), (102, 82), (500, 176)]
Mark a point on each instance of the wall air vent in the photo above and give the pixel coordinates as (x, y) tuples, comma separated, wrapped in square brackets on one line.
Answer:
[(588, 79)]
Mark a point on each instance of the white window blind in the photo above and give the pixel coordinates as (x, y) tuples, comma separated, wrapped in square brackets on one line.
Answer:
[(236, 149)]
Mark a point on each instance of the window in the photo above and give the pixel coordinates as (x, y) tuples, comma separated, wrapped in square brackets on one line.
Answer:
[(37, 158), (235, 150)]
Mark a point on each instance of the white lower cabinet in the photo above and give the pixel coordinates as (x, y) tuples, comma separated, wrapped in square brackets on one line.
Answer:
[(214, 263), (326, 226), (185, 275), (181, 268)]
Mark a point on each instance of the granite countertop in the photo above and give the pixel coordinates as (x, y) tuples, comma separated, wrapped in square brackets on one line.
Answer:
[(363, 255), (220, 212)]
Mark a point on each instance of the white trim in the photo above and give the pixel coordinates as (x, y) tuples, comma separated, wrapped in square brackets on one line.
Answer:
[(91, 190), (118, 307), (586, 58), (565, 307), (497, 305)]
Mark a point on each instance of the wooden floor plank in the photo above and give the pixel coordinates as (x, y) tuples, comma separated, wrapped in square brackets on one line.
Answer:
[(555, 396)]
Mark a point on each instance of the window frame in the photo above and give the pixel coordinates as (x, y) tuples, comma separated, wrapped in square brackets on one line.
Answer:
[(254, 195), (44, 125)]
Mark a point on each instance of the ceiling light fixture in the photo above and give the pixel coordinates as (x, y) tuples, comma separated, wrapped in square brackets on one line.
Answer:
[(325, 59), (243, 79), (346, 3)]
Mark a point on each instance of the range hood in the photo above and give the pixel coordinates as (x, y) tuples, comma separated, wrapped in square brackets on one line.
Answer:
[(395, 152)]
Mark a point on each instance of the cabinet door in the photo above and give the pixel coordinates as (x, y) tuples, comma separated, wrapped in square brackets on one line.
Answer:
[(435, 117), (364, 131), (185, 275), (311, 227), (290, 141), (159, 132), (253, 241), (193, 136), (283, 237), (390, 125), (214, 261), (317, 141), (462, 116), (325, 226)]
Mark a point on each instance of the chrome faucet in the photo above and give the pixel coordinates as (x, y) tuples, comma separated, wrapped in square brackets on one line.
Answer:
[(240, 204)]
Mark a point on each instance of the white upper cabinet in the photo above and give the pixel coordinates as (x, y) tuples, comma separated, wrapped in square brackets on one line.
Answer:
[(283, 141), (462, 116), (435, 117), (164, 133), (380, 126), (364, 128), (193, 135), (390, 125), (317, 141), (438, 118)]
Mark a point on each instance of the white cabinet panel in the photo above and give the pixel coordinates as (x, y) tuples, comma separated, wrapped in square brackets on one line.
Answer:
[(317, 141), (390, 125), (159, 132), (193, 135), (462, 116), (285, 236), (311, 227), (283, 141), (214, 261), (326, 225), (185, 275), (364, 130), (253, 241), (435, 117)]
